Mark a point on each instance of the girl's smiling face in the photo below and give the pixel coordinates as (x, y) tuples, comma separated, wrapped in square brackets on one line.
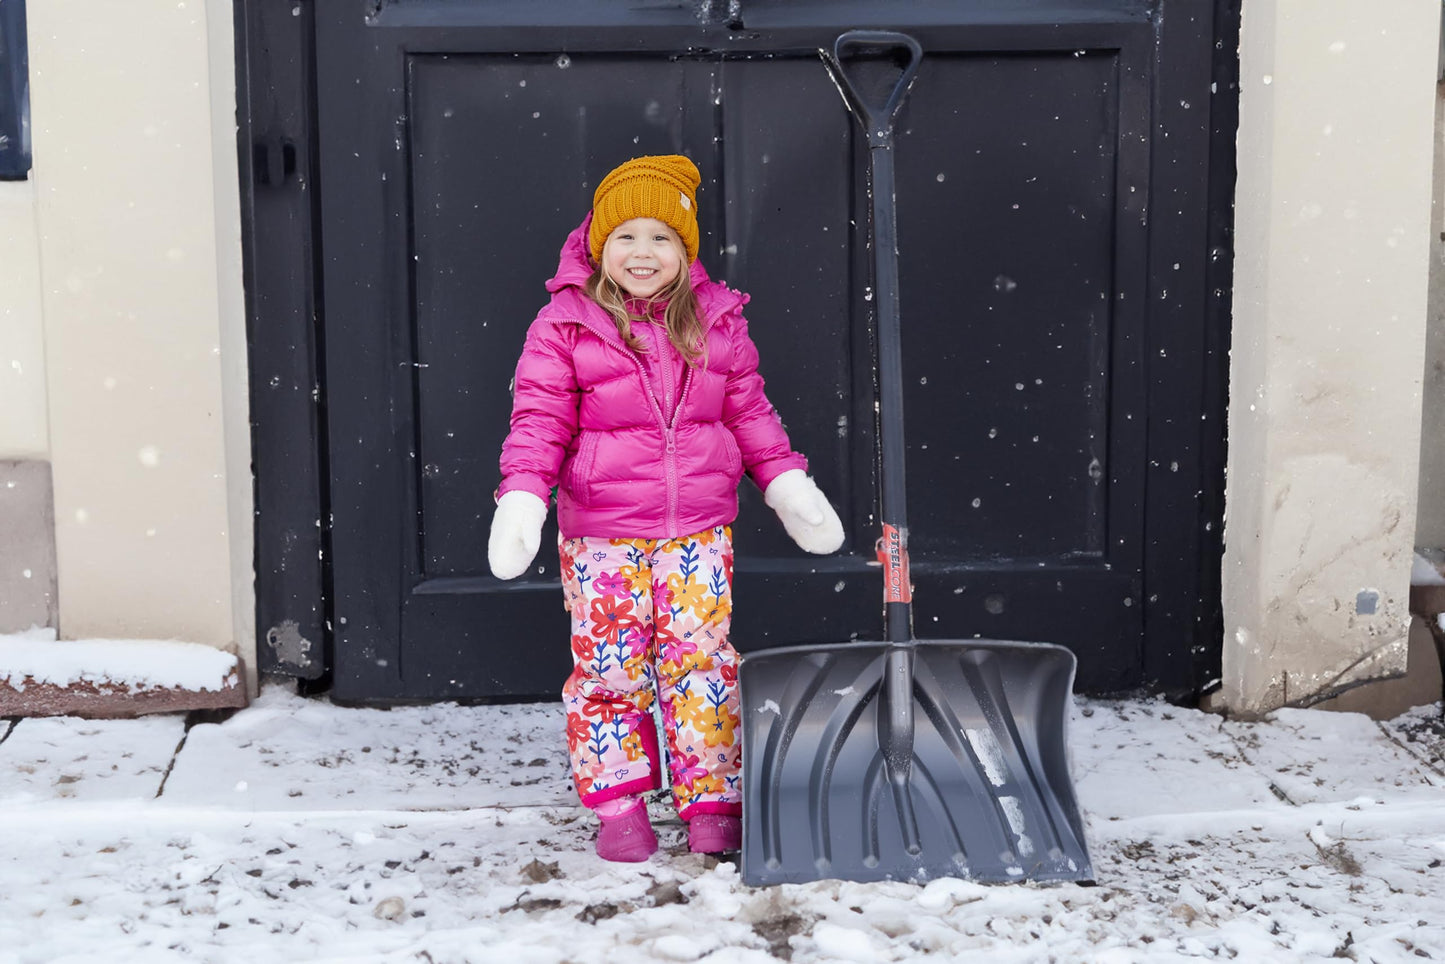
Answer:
[(643, 256)]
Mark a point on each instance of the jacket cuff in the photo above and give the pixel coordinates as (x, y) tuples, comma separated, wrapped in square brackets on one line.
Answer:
[(524, 483), (764, 472)]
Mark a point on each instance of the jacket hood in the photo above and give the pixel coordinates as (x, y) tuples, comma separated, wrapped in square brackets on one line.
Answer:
[(575, 266)]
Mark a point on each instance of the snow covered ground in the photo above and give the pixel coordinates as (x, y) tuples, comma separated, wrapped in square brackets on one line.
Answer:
[(298, 830)]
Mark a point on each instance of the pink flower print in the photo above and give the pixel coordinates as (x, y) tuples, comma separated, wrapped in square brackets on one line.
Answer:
[(662, 595), (611, 584), (674, 650), (689, 769), (634, 655)]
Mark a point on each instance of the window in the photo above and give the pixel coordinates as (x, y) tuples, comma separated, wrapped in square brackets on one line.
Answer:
[(14, 93)]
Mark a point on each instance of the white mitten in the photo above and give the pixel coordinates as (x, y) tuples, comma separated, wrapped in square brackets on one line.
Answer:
[(516, 533), (805, 512)]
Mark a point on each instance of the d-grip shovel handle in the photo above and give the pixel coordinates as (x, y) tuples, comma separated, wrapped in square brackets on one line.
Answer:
[(876, 118)]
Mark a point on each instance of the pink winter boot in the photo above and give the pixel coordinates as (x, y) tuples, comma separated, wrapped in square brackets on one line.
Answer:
[(626, 834), (714, 833)]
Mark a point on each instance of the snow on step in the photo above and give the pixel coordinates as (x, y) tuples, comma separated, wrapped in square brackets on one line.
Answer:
[(37, 657)]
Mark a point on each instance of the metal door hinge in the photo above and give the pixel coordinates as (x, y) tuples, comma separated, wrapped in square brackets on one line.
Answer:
[(273, 160)]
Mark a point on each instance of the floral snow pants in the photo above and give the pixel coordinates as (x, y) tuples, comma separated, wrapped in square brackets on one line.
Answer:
[(650, 619)]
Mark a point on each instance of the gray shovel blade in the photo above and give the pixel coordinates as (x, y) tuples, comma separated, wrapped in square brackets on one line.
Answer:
[(986, 796)]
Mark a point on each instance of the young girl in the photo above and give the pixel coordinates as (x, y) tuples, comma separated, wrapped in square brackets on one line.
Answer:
[(638, 396)]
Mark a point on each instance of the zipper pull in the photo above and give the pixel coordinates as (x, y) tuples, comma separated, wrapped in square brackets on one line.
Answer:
[(671, 441)]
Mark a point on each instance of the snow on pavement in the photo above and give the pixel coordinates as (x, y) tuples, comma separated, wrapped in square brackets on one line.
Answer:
[(299, 830)]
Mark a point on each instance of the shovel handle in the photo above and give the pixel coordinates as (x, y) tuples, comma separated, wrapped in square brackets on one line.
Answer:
[(877, 116)]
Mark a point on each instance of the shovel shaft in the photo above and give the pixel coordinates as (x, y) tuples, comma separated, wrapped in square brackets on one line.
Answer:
[(890, 338), (890, 380)]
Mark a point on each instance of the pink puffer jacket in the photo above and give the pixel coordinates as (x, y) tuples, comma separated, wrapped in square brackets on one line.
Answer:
[(586, 418)]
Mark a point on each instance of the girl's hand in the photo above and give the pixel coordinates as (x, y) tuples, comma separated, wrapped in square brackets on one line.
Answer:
[(516, 533), (805, 512)]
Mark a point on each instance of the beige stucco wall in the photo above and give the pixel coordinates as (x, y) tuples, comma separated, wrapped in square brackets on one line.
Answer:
[(1332, 244), (1430, 528), (23, 432), (143, 318)]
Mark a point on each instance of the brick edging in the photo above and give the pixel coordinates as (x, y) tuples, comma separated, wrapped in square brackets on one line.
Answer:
[(116, 700)]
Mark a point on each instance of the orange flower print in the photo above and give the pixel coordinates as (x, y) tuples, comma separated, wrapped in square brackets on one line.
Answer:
[(632, 746), (717, 726), (635, 666), (639, 578), (713, 610), (686, 594), (706, 784), (690, 708)]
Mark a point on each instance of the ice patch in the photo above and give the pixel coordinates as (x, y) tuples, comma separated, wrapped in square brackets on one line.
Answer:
[(1014, 812), (990, 754)]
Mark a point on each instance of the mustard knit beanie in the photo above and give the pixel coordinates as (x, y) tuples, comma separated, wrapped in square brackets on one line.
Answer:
[(662, 187)]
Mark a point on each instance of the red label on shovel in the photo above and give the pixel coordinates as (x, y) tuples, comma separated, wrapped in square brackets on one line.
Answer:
[(893, 553)]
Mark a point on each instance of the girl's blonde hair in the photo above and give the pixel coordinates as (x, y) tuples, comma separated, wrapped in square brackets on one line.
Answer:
[(681, 318)]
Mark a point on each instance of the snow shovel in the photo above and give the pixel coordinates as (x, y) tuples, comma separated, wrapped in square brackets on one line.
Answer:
[(905, 759)]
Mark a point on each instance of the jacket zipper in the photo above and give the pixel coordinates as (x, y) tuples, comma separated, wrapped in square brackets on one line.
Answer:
[(669, 426), (671, 436)]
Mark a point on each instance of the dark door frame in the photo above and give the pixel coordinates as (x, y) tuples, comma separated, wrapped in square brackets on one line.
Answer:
[(276, 97), (275, 138)]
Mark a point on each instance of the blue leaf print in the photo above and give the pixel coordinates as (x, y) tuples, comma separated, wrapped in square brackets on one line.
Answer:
[(718, 583), (598, 743), (689, 562)]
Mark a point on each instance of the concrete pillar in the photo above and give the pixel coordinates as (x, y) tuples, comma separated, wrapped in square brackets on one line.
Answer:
[(133, 117), (1332, 243)]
